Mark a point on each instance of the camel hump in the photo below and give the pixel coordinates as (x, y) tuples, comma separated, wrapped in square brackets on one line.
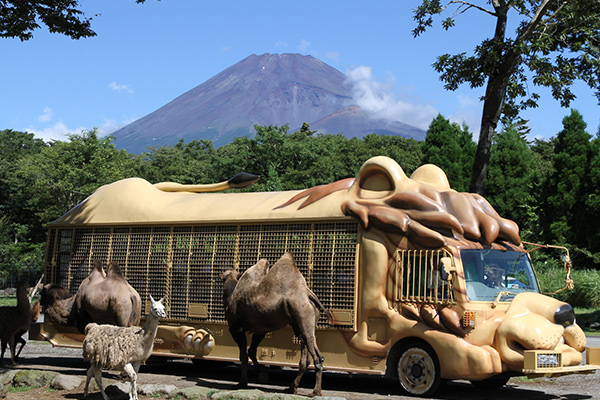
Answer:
[(114, 270)]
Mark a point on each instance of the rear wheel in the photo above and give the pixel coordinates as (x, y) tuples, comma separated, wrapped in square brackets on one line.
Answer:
[(419, 370)]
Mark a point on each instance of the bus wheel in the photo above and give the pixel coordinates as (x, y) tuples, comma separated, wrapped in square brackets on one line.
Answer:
[(491, 383), (419, 370)]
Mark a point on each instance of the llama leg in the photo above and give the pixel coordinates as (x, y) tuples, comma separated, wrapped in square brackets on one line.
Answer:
[(90, 373), (3, 350), (256, 339), (21, 341), (11, 344), (130, 371), (97, 371)]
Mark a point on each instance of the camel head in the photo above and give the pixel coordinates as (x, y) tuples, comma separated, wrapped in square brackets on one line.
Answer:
[(230, 280), (51, 293)]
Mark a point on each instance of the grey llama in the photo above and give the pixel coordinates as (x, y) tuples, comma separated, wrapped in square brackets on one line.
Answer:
[(120, 348)]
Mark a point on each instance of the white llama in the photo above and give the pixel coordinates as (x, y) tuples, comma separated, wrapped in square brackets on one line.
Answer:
[(120, 348)]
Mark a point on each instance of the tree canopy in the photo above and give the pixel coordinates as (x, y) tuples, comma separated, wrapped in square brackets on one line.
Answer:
[(555, 43)]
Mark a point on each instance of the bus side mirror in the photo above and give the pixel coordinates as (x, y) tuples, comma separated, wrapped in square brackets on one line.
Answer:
[(446, 268)]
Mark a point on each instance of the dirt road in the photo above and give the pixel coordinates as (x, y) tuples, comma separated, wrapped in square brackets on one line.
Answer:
[(183, 373)]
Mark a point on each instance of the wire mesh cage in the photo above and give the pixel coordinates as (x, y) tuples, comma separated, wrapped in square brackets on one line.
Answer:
[(184, 263)]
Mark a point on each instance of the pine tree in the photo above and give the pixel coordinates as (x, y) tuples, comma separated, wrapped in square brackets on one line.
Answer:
[(452, 149), (511, 178), (566, 200)]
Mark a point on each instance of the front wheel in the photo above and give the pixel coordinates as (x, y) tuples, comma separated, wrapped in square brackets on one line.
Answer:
[(419, 370)]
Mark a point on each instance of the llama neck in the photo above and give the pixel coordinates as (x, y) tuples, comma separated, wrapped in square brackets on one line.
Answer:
[(22, 298), (151, 326)]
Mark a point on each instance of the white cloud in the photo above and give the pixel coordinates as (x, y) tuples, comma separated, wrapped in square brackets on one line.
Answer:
[(378, 99), (304, 46), (58, 131), (280, 44), (121, 88), (467, 110), (332, 55), (47, 115)]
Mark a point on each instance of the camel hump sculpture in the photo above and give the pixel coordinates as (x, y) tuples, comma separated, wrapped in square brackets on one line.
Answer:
[(267, 299), (104, 298)]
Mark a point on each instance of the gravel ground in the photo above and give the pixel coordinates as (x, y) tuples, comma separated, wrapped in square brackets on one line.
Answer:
[(183, 373)]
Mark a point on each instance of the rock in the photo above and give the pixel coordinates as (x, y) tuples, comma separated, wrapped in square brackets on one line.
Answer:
[(66, 382), (33, 378), (7, 375), (3, 391), (151, 389), (245, 394), (118, 388), (193, 393)]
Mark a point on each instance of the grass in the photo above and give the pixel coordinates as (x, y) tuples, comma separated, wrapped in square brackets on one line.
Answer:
[(8, 301)]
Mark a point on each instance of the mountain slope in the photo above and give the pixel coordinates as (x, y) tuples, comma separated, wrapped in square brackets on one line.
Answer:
[(268, 89)]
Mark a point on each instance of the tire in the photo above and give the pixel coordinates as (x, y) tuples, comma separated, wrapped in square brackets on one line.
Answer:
[(419, 370), (491, 383)]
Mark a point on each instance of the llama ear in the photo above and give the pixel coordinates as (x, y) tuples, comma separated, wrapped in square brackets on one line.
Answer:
[(161, 300), (152, 300)]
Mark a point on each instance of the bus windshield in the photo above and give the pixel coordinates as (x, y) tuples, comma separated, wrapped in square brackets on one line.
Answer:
[(489, 272)]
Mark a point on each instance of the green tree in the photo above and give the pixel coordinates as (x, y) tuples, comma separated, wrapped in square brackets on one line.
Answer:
[(567, 187), (511, 179), (555, 43), (19, 18), (65, 173), (20, 249), (450, 148)]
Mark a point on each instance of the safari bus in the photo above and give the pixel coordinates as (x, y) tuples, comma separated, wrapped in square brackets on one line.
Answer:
[(425, 284)]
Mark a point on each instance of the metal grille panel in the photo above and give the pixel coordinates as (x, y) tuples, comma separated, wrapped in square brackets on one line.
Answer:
[(416, 278), (183, 263)]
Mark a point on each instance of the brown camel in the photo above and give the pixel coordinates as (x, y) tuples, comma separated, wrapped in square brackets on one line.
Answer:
[(265, 300), (104, 298)]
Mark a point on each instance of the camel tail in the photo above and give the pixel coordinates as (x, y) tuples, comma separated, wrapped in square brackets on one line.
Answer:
[(315, 300)]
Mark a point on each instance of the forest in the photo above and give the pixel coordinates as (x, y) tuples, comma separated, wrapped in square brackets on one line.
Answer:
[(550, 187)]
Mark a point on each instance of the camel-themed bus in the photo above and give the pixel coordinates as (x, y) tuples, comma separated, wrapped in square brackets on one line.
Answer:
[(425, 284)]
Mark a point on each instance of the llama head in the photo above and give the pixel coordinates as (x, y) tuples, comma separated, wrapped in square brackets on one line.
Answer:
[(157, 308)]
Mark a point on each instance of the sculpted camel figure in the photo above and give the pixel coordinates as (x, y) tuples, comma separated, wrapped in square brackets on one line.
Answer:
[(265, 300), (104, 298)]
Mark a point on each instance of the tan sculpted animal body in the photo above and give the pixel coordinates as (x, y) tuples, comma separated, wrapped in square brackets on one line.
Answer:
[(104, 298), (267, 299)]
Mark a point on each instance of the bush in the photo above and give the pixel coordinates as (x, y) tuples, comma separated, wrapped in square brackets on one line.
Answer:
[(586, 293)]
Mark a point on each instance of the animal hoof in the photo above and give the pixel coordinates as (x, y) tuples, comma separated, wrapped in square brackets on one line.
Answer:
[(313, 394), (291, 390)]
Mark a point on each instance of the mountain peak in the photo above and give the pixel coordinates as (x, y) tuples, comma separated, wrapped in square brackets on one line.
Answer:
[(266, 89)]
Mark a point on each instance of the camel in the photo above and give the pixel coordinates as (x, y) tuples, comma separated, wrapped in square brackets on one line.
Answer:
[(104, 298), (267, 299)]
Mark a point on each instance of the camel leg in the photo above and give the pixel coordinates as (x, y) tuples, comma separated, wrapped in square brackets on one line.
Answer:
[(302, 366), (256, 339), (239, 336), (305, 330), (130, 371)]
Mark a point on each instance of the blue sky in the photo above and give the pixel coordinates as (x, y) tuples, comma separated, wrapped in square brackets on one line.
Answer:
[(145, 55)]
